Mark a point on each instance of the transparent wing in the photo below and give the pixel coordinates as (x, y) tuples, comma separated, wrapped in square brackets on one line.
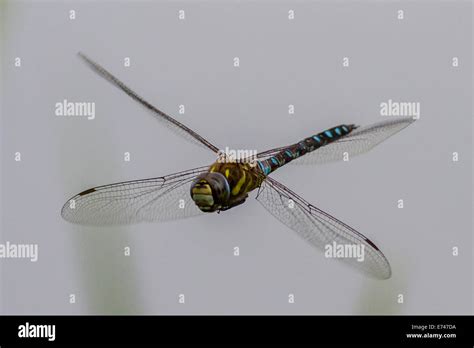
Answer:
[(360, 140), (157, 199), (319, 228), (167, 120)]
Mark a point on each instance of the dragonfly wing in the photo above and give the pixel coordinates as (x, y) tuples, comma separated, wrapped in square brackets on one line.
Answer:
[(319, 228), (167, 120), (157, 199), (360, 140)]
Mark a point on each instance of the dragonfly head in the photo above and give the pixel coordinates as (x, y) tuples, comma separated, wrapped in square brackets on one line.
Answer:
[(210, 192)]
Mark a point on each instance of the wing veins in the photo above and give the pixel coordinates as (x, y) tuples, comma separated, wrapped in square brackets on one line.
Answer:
[(165, 117)]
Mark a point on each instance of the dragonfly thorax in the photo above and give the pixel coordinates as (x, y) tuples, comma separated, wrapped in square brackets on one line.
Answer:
[(210, 192)]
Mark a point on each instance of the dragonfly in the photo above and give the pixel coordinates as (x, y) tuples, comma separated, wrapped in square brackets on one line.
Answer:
[(227, 183)]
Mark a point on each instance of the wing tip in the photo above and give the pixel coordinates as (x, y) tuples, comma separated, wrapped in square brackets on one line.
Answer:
[(403, 119), (385, 275), (83, 57), (386, 272), (89, 61)]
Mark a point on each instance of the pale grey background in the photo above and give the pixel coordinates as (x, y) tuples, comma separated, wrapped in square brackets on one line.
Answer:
[(282, 62)]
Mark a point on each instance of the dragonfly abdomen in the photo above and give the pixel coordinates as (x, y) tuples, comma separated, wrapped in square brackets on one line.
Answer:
[(303, 147)]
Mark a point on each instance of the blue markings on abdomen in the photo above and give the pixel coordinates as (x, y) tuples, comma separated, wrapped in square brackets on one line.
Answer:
[(303, 147)]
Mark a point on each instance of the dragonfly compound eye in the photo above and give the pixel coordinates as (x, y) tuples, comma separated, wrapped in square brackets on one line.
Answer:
[(210, 192)]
